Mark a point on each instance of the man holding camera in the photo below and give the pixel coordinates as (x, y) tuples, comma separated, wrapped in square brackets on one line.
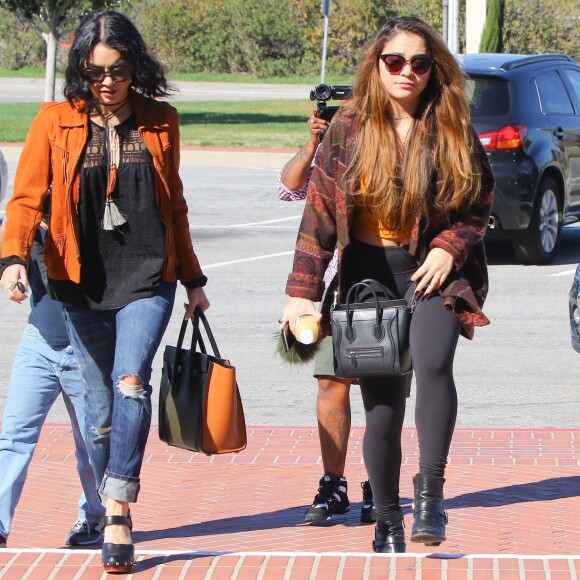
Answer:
[(333, 401)]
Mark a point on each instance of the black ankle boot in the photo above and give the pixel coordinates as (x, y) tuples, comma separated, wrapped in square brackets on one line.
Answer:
[(430, 517), (389, 534)]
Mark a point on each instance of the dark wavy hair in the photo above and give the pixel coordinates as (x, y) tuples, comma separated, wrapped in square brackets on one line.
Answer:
[(115, 31)]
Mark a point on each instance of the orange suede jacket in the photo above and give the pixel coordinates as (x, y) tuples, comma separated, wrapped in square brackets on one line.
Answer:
[(51, 157)]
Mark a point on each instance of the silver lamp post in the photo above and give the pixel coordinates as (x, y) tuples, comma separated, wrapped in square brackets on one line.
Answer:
[(325, 9)]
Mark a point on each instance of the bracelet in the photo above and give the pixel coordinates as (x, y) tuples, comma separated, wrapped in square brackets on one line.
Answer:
[(10, 261), (196, 282)]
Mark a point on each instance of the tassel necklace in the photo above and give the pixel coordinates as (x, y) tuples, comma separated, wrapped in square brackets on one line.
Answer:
[(112, 217)]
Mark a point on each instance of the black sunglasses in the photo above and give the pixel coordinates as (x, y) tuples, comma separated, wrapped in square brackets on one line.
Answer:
[(395, 63), (118, 73)]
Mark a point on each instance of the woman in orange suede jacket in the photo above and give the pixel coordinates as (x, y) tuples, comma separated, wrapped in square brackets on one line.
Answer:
[(118, 241), (55, 143)]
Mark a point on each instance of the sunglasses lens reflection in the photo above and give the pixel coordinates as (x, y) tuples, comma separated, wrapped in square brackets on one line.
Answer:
[(395, 64), (118, 74), (421, 65)]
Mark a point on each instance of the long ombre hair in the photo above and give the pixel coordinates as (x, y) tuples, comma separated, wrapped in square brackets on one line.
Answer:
[(395, 186)]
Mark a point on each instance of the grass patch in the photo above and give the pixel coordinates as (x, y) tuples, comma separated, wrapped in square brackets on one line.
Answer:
[(241, 78), (252, 124), (255, 124), (31, 73), (202, 77), (15, 120)]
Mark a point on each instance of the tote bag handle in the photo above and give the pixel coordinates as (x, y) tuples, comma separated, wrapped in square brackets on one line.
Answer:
[(196, 337)]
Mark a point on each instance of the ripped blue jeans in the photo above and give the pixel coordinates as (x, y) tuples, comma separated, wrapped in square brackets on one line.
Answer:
[(111, 346)]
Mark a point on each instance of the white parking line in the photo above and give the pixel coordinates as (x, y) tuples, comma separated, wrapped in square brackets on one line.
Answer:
[(264, 257), (248, 225), (565, 273)]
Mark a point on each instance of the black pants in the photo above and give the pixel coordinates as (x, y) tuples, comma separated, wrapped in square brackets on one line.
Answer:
[(433, 336)]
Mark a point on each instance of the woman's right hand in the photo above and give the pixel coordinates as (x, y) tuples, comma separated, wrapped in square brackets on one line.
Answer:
[(316, 127), (13, 275), (295, 307)]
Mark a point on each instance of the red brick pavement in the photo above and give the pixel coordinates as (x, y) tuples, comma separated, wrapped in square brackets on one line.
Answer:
[(513, 498)]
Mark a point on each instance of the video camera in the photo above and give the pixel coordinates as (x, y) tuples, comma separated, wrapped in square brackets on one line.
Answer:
[(323, 93)]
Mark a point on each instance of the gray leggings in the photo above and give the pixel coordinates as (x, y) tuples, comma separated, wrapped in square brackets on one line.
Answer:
[(433, 336)]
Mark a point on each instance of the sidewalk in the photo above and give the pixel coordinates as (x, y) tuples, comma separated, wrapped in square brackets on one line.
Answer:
[(201, 156), (512, 497)]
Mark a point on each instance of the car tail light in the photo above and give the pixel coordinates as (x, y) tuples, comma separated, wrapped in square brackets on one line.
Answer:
[(508, 137)]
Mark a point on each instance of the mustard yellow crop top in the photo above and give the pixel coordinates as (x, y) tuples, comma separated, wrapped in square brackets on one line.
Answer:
[(365, 221)]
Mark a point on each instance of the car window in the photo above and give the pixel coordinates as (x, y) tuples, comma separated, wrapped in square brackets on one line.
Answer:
[(553, 95), (488, 97), (574, 78)]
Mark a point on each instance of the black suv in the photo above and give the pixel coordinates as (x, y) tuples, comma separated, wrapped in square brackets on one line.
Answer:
[(526, 110)]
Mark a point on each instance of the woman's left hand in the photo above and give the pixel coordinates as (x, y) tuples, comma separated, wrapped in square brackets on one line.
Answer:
[(196, 297), (433, 271)]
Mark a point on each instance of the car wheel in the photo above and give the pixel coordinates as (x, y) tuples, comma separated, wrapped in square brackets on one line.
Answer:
[(539, 243)]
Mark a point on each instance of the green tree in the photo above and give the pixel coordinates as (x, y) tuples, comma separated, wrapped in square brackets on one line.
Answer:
[(20, 46), (492, 37), (273, 38), (540, 26), (258, 37), (351, 25), (354, 22), (51, 19), (267, 36)]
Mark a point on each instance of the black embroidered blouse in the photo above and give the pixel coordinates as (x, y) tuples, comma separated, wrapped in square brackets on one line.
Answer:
[(124, 264)]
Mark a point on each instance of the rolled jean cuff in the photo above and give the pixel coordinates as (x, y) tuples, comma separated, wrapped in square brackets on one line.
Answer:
[(119, 489)]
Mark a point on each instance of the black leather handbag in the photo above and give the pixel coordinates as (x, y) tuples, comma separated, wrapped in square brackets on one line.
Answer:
[(370, 333)]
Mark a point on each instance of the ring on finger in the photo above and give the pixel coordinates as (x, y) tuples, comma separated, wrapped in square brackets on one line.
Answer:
[(11, 286)]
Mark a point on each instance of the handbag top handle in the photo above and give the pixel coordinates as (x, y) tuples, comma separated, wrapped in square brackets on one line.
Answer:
[(372, 285), (196, 337), (377, 331)]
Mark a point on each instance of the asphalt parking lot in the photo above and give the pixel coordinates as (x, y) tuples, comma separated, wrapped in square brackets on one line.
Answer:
[(519, 372)]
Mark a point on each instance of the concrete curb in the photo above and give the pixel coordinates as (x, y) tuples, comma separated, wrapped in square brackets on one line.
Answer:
[(200, 157)]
